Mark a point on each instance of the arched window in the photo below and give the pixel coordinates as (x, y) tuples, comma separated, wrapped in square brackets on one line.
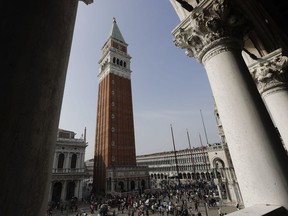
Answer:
[(114, 60), (121, 63), (60, 161), (184, 176), (73, 161), (124, 64), (203, 175), (118, 61), (208, 176), (121, 186)]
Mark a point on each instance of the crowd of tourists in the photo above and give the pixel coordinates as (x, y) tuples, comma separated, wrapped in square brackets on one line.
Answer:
[(168, 201), (176, 201)]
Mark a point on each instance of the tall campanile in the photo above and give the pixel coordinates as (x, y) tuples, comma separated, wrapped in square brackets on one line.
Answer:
[(115, 141)]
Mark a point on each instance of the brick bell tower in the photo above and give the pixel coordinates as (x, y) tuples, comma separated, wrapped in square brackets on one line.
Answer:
[(115, 141)]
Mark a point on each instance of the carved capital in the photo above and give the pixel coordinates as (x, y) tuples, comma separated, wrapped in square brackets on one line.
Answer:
[(271, 73), (206, 26)]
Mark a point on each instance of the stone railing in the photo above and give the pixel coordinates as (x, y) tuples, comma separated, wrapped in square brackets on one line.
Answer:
[(67, 170)]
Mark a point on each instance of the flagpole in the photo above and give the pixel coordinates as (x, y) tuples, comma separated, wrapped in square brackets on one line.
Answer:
[(205, 161), (192, 160), (204, 127), (175, 155)]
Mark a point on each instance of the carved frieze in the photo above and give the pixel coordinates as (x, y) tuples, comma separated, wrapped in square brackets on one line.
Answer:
[(270, 73), (207, 25)]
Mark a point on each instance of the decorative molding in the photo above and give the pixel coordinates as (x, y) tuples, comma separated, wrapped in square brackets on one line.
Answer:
[(270, 73), (122, 72), (224, 44), (209, 24)]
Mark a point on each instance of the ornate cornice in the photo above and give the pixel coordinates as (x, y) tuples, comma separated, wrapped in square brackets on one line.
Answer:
[(207, 26), (116, 70), (270, 73)]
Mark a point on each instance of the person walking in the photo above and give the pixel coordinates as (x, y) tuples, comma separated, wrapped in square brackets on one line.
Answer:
[(196, 205), (220, 212)]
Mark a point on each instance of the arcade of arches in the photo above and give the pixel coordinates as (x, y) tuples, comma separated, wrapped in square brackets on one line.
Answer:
[(122, 179)]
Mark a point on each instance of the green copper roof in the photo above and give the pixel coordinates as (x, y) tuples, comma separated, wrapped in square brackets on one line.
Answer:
[(115, 32)]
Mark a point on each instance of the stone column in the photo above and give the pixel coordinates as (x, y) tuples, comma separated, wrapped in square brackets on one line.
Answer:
[(64, 190), (36, 43), (80, 190), (56, 155), (81, 166), (77, 189), (78, 162), (115, 185), (112, 186), (270, 74), (67, 161), (50, 191), (212, 33), (127, 185)]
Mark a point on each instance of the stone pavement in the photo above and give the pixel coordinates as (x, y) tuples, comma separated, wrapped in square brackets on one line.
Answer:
[(212, 211)]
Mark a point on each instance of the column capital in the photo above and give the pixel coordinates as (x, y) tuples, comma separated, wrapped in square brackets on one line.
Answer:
[(270, 73), (208, 25)]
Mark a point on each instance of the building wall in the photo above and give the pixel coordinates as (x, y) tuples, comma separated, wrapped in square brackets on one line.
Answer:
[(195, 165), (68, 170)]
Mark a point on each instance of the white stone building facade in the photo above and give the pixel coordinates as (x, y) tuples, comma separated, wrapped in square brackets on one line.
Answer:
[(211, 164), (68, 170)]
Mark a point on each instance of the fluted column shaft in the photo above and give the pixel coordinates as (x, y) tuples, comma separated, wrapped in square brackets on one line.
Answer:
[(210, 34)]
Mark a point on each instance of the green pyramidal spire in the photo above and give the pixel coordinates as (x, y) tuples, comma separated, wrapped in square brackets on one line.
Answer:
[(115, 32)]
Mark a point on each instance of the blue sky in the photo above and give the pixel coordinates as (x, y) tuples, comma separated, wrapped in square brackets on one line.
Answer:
[(167, 86)]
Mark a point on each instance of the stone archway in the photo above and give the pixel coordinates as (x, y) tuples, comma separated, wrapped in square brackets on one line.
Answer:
[(203, 175), (56, 194), (143, 185), (218, 165), (132, 185), (121, 186), (70, 190)]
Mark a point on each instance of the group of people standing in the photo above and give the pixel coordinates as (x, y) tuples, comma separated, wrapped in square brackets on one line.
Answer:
[(174, 202)]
